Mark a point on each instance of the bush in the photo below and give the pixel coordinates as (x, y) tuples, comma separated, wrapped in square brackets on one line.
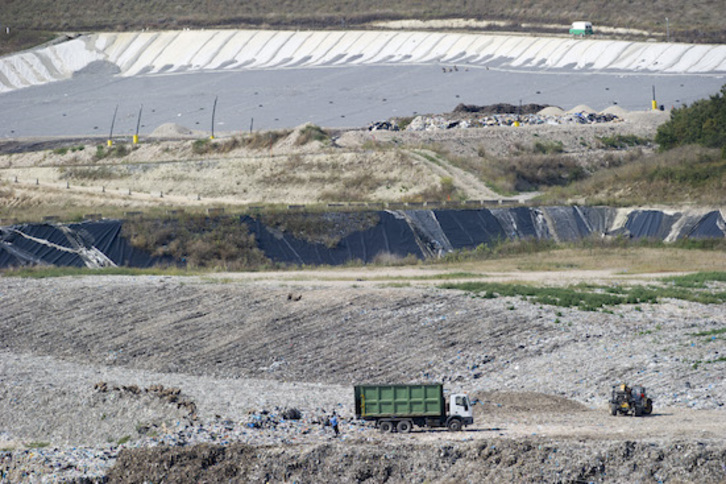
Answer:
[(311, 133), (548, 147), (703, 123), (622, 141), (197, 241)]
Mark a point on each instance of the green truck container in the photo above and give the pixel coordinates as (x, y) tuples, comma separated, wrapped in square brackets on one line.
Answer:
[(400, 407)]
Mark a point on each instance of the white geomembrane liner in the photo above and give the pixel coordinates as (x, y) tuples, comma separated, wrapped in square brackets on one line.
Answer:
[(154, 52)]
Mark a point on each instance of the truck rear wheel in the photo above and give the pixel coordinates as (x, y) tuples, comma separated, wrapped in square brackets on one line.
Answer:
[(404, 426), (386, 426), (454, 425)]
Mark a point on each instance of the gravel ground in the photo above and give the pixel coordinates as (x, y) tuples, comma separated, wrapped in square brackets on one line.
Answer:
[(187, 361)]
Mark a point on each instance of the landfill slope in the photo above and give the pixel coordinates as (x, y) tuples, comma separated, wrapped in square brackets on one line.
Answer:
[(83, 360), (149, 52)]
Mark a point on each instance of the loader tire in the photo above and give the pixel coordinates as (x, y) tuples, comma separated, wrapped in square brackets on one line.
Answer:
[(648, 409), (613, 410)]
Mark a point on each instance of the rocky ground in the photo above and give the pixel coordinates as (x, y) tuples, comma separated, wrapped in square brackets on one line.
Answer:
[(183, 379)]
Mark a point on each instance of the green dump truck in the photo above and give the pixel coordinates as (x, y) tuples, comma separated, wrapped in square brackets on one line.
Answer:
[(400, 407)]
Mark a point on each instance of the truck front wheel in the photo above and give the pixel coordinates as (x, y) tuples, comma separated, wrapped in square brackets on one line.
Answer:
[(386, 426), (454, 425)]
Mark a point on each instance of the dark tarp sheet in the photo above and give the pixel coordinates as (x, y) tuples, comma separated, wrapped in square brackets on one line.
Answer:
[(391, 236), (73, 245), (652, 224), (470, 228), (522, 222), (710, 226), (574, 223), (420, 233), (106, 236), (42, 244)]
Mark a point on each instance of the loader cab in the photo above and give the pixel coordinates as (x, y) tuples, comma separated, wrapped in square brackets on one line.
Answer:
[(460, 406)]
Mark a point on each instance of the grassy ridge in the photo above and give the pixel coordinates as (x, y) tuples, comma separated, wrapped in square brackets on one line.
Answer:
[(698, 20)]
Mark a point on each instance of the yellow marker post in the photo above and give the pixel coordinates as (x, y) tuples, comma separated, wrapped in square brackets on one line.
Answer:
[(136, 139), (109, 143), (655, 105)]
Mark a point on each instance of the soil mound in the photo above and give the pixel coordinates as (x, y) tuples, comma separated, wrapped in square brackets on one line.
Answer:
[(616, 110), (170, 130), (551, 111), (581, 108)]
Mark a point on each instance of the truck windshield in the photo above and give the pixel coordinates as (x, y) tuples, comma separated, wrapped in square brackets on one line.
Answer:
[(462, 402)]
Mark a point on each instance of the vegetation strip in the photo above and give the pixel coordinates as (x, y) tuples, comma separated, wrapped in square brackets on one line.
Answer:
[(592, 297)]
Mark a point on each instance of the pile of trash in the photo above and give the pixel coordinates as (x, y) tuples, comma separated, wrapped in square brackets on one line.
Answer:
[(435, 123), (471, 116)]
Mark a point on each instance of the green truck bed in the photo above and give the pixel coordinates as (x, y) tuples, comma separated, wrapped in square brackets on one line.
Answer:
[(373, 401)]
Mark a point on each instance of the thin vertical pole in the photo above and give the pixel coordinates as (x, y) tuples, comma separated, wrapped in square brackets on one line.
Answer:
[(138, 125), (113, 121), (214, 111)]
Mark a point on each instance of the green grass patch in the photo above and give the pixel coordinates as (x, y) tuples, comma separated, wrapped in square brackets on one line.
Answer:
[(711, 332), (622, 141), (548, 147), (697, 280), (310, 133), (587, 298), (123, 440), (38, 445)]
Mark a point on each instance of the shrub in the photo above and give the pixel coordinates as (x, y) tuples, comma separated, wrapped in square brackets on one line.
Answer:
[(310, 133), (92, 173), (703, 123), (201, 146), (622, 141), (548, 147), (197, 241)]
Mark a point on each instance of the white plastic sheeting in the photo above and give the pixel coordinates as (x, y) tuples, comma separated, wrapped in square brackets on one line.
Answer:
[(138, 53)]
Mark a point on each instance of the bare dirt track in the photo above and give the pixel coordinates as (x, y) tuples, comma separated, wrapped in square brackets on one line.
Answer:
[(244, 350)]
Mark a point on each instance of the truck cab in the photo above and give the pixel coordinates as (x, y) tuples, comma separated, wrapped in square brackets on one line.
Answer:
[(581, 28), (459, 410)]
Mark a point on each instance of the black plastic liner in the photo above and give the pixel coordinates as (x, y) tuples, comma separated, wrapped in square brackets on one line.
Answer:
[(652, 224), (418, 233), (86, 244), (392, 235), (470, 228)]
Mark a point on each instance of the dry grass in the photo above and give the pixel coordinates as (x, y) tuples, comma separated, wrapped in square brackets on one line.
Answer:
[(626, 260), (700, 19), (688, 174), (33, 21)]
